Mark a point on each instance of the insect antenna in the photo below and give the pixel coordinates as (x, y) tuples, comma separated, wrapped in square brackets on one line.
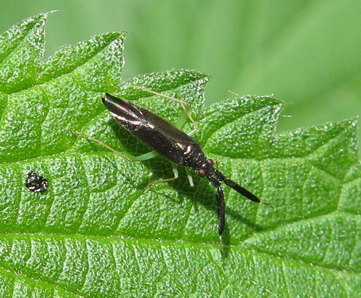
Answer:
[(244, 192), (221, 206), (241, 190)]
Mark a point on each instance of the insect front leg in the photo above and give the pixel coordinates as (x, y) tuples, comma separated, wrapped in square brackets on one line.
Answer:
[(190, 178)]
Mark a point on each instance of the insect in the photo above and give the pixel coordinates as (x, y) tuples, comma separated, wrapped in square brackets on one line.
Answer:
[(36, 183), (175, 145)]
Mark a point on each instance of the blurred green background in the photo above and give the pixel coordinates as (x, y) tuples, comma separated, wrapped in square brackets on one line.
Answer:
[(305, 53)]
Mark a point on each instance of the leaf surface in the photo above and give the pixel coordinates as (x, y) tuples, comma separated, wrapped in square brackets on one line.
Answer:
[(99, 231)]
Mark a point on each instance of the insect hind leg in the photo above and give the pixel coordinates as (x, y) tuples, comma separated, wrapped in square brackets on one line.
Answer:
[(142, 157), (89, 137), (182, 104)]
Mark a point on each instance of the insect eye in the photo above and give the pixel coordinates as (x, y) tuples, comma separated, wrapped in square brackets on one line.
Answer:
[(210, 162), (202, 173)]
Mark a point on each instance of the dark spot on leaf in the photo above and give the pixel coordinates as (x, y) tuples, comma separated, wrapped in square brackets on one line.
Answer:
[(36, 183)]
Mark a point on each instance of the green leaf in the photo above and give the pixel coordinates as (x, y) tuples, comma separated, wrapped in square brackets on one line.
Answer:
[(99, 231)]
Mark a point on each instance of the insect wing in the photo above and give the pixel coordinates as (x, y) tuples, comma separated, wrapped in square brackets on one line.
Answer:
[(124, 112), (152, 130)]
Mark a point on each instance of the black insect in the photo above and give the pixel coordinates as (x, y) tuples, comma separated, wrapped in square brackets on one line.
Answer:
[(36, 183), (173, 144)]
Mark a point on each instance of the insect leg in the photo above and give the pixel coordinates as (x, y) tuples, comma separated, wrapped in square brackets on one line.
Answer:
[(142, 157), (221, 206), (175, 172), (182, 103), (190, 179), (159, 94), (89, 137), (145, 156)]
